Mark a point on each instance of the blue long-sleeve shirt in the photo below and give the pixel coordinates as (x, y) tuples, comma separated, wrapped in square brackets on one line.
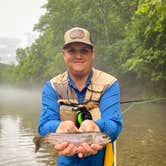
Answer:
[(110, 121)]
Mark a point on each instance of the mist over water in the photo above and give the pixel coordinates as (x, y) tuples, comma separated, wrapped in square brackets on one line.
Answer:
[(19, 114), (141, 143), (13, 96)]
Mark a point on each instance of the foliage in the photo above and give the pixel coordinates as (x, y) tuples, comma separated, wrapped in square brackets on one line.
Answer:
[(129, 38), (2, 68), (146, 35)]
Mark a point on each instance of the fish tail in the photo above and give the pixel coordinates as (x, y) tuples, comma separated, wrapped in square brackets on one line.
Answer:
[(37, 141)]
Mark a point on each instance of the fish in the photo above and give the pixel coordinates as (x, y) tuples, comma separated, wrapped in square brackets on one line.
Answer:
[(76, 138)]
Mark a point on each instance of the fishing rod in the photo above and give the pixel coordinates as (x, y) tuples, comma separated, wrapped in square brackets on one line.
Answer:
[(134, 101), (140, 101)]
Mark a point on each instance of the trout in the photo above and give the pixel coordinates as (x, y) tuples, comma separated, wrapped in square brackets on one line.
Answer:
[(76, 138)]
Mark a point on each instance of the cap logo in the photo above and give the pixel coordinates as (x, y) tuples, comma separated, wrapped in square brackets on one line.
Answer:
[(76, 34)]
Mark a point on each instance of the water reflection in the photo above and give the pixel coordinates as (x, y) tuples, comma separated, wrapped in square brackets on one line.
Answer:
[(19, 112), (141, 143), (15, 143), (16, 146)]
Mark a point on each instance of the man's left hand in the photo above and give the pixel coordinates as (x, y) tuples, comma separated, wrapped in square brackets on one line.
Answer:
[(89, 125), (86, 149)]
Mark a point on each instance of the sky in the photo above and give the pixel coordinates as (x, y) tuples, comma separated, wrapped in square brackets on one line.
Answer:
[(17, 19)]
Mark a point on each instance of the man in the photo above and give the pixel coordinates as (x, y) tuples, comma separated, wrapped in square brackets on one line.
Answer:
[(81, 85)]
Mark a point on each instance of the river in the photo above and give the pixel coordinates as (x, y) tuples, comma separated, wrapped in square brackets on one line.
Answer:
[(141, 143)]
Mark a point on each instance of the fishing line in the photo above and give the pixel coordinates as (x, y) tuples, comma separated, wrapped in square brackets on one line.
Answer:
[(136, 102)]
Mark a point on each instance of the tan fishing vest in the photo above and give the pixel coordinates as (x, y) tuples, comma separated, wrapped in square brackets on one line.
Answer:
[(67, 97)]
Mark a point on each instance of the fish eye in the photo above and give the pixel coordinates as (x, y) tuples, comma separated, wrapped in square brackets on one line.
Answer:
[(105, 136)]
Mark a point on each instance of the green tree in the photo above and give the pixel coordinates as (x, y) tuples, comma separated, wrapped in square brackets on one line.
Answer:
[(146, 37), (129, 38)]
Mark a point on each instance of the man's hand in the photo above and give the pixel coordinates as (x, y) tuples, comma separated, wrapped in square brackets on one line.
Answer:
[(66, 126), (85, 149), (89, 125), (66, 149)]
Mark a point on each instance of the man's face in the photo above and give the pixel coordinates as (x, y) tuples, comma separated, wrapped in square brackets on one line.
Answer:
[(78, 58)]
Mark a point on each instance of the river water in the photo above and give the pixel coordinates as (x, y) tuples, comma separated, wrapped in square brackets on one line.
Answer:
[(141, 143)]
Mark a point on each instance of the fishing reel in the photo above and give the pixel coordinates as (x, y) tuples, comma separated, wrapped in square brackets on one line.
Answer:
[(82, 114)]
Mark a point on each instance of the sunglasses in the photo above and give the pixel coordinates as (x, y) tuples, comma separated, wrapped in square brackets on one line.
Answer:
[(82, 51)]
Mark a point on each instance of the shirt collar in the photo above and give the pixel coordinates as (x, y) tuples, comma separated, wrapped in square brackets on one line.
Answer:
[(71, 83)]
